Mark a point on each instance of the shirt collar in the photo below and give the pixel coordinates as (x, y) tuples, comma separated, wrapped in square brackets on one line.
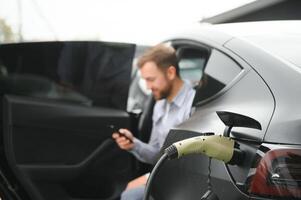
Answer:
[(177, 101), (179, 98)]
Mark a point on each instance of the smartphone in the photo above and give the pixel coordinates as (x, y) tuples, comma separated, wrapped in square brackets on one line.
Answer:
[(115, 129)]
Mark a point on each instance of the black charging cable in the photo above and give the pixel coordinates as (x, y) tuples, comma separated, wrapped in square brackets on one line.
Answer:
[(209, 194), (153, 174)]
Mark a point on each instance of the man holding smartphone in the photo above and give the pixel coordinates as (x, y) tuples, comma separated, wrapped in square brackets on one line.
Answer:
[(159, 67)]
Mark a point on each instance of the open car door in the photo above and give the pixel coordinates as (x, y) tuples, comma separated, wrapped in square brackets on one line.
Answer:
[(59, 101)]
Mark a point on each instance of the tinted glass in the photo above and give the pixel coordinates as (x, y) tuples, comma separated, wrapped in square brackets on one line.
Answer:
[(219, 71), (90, 73)]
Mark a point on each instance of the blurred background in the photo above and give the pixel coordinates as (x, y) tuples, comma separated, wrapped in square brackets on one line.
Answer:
[(139, 21), (114, 20)]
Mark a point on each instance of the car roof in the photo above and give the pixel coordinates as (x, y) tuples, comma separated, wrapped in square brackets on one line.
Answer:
[(272, 36), (260, 28), (280, 38)]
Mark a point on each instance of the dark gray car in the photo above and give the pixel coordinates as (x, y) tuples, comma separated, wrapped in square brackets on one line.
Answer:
[(60, 101), (249, 91)]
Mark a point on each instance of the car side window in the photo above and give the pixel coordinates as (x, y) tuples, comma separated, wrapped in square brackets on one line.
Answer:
[(192, 62), (219, 71), (86, 73)]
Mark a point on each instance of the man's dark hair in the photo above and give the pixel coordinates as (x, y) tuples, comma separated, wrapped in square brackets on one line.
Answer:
[(162, 55)]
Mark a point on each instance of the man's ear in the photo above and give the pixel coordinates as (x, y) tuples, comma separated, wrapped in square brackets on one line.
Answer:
[(171, 72)]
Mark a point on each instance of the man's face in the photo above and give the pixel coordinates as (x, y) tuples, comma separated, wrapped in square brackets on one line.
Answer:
[(157, 80)]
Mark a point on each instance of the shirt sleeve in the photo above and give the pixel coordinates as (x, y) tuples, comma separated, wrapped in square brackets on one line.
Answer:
[(146, 152)]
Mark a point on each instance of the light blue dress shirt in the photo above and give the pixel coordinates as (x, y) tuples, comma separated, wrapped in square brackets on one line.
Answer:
[(166, 115)]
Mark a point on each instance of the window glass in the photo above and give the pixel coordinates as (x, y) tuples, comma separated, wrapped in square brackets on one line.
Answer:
[(220, 70), (191, 63), (90, 73)]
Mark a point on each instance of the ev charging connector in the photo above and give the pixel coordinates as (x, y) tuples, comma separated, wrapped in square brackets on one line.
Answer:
[(220, 147), (214, 146)]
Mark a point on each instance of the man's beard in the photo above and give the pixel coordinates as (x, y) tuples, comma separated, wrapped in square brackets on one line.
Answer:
[(163, 94)]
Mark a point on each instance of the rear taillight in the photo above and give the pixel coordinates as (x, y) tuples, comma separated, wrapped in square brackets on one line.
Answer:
[(278, 174)]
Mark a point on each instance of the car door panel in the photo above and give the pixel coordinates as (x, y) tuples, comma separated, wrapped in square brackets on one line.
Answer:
[(59, 99), (45, 150)]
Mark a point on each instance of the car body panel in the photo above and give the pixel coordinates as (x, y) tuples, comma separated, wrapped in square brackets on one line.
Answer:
[(266, 90), (286, 95)]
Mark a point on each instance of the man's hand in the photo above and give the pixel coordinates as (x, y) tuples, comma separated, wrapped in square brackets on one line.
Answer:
[(141, 180), (124, 139)]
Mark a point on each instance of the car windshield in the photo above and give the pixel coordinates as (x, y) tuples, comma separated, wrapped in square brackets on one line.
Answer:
[(287, 46)]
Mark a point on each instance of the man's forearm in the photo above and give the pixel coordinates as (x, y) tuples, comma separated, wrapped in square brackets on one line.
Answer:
[(145, 152)]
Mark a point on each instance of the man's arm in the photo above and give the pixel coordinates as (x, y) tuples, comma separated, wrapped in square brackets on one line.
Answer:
[(146, 152), (141, 180), (142, 151)]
